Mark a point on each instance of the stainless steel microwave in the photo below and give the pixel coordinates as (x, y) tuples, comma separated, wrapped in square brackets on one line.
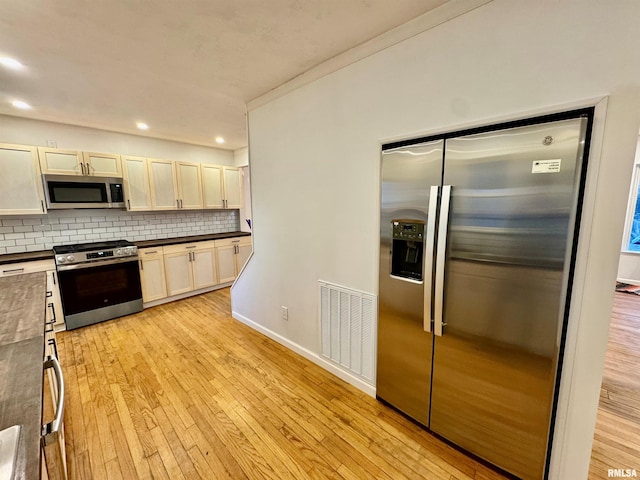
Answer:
[(69, 191)]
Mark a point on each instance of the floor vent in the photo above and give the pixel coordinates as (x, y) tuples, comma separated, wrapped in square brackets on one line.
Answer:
[(347, 321)]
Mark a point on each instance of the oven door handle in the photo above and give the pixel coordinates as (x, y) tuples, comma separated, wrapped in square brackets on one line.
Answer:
[(78, 266), (51, 430)]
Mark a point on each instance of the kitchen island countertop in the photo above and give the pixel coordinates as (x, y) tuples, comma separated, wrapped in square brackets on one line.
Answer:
[(22, 315)]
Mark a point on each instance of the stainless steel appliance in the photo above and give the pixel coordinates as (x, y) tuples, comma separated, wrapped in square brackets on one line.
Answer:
[(98, 281), (70, 191), (477, 239)]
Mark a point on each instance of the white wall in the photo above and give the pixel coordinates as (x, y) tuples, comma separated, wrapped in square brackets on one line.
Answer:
[(24, 131), (315, 166), (629, 265)]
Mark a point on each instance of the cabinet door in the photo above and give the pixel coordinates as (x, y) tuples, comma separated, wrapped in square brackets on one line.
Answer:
[(204, 267), (21, 191), (56, 309), (102, 164), (189, 185), (232, 187), (226, 260), (163, 184), (152, 274), (177, 267), (243, 253), (60, 162), (136, 183), (212, 186)]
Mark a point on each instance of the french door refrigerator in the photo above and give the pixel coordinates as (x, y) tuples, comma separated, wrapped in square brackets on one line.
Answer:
[(477, 241)]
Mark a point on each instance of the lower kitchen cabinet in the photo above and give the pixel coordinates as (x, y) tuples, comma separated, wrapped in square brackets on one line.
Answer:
[(189, 266), (231, 255), (152, 275), (174, 271)]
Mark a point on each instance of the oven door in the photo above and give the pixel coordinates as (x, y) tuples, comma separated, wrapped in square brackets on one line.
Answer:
[(97, 291)]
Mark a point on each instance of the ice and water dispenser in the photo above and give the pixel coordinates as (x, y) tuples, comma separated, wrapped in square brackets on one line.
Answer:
[(407, 249)]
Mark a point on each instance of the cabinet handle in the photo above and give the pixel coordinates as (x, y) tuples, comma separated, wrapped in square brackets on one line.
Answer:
[(181, 204), (52, 341), (82, 168), (129, 203), (149, 253), (177, 203), (88, 168), (14, 270), (50, 430), (141, 265), (48, 294), (53, 314), (42, 204), (192, 246), (53, 277)]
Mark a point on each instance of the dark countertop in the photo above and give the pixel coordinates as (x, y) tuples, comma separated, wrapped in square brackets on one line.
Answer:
[(194, 238), (22, 315), (26, 257), (48, 254)]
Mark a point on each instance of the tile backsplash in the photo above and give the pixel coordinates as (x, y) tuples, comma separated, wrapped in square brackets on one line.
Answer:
[(64, 227)]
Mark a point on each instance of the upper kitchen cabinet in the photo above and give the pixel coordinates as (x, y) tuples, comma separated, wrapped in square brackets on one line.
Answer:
[(102, 164), (189, 185), (54, 161), (137, 188), (162, 177), (61, 162), (232, 187), (21, 191), (222, 186)]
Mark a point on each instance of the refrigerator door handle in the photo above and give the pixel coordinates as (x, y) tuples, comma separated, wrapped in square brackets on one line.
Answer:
[(427, 274), (441, 254)]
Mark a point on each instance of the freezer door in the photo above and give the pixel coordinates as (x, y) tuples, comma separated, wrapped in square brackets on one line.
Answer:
[(404, 344), (513, 205)]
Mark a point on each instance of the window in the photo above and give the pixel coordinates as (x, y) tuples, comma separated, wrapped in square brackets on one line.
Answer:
[(634, 230)]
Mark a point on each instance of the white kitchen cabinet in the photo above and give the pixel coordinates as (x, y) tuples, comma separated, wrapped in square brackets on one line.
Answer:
[(231, 255), (137, 189), (222, 186), (21, 187), (232, 187), (102, 164), (189, 181), (61, 162), (152, 273), (164, 188), (189, 266), (54, 301)]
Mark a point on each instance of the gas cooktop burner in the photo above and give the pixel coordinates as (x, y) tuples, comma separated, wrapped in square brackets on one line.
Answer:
[(88, 247)]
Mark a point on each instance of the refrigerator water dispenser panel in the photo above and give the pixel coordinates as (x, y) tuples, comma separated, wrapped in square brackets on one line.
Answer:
[(407, 249)]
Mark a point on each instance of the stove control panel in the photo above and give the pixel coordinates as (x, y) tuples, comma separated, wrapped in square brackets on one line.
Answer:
[(97, 255)]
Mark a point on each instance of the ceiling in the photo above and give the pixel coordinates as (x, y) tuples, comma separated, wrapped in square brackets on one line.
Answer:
[(186, 68)]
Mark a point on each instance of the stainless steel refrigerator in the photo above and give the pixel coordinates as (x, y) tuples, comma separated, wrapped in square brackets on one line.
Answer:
[(477, 239)]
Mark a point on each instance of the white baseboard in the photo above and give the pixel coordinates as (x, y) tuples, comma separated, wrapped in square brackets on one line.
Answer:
[(308, 354), (630, 281)]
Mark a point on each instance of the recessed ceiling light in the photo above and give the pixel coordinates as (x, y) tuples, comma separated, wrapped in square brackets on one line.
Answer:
[(10, 63), (142, 126), (21, 105), (219, 140)]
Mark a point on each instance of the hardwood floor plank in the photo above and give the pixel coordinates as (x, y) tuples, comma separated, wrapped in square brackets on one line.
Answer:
[(616, 444), (184, 391)]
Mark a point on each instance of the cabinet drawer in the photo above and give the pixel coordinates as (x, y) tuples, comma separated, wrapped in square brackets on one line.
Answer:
[(225, 242), (151, 252), (9, 269), (188, 247)]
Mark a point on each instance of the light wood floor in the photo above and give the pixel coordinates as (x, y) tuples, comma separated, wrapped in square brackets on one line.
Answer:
[(616, 442), (184, 391)]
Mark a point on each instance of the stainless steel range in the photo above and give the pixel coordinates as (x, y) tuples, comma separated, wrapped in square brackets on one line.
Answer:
[(98, 281)]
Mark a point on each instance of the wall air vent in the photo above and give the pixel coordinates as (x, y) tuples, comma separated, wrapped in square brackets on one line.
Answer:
[(347, 322)]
